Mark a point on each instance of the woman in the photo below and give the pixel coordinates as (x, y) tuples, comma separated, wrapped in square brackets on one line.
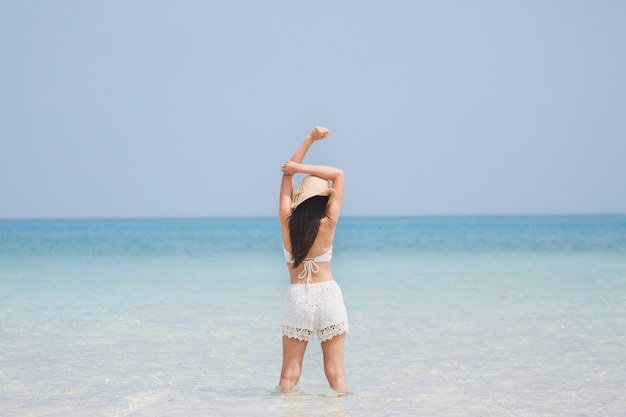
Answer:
[(313, 303)]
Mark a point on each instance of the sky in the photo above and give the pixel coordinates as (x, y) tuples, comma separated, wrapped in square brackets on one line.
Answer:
[(189, 108)]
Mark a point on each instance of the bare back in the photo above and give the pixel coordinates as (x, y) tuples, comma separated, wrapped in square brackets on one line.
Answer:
[(322, 244)]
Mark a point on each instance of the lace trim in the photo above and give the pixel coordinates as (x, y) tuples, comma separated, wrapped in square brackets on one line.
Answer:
[(323, 335), (329, 332), (303, 335)]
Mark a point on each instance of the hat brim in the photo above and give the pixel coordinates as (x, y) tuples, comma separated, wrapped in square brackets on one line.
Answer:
[(330, 192)]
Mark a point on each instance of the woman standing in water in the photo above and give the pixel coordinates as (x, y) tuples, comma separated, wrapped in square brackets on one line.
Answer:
[(313, 304)]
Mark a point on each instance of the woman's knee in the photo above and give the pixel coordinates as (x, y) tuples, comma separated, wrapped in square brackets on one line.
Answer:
[(334, 368), (289, 377), (291, 372), (336, 376)]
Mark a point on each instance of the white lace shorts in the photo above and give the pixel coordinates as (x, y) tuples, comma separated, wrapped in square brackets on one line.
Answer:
[(314, 310)]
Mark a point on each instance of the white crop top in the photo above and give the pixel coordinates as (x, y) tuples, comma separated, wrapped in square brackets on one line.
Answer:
[(325, 257), (310, 264)]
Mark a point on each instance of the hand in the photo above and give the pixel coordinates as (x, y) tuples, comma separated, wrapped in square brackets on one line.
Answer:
[(318, 133), (290, 168)]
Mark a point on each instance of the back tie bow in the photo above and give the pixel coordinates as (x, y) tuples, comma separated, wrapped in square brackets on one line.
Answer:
[(309, 267)]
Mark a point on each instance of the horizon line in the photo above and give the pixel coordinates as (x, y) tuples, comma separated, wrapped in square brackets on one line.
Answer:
[(252, 217)]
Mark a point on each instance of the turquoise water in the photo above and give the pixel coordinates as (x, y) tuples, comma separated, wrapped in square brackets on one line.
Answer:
[(449, 316)]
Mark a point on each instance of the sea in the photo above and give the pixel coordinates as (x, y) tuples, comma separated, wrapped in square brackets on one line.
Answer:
[(449, 316)]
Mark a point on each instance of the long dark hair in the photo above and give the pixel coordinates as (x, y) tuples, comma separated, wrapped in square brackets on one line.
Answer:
[(304, 224)]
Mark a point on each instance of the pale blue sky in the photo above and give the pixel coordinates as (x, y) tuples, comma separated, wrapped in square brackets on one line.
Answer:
[(189, 108)]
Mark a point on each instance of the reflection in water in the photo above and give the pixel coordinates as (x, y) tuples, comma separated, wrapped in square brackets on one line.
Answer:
[(301, 404)]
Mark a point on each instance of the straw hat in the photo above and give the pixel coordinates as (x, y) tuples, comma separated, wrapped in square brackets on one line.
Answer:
[(312, 186)]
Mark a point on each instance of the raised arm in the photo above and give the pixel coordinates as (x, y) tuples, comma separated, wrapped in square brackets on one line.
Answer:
[(318, 133), (286, 185), (335, 175)]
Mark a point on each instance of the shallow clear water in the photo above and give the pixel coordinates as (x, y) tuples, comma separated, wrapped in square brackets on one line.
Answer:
[(476, 316)]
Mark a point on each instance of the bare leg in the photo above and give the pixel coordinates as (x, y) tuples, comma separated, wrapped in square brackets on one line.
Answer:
[(293, 354), (333, 363)]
